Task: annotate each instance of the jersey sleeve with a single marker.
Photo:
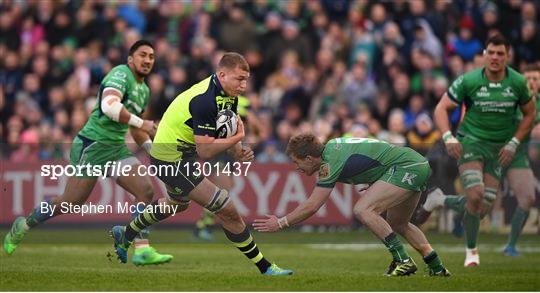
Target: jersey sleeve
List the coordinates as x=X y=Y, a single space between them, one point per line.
x=203 y=116
x=523 y=92
x=330 y=169
x=457 y=90
x=116 y=79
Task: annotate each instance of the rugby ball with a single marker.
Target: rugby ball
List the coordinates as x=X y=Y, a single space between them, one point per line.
x=226 y=123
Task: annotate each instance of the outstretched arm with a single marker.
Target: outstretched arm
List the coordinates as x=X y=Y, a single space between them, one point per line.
x=305 y=210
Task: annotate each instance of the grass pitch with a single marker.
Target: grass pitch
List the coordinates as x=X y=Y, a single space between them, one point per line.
x=75 y=260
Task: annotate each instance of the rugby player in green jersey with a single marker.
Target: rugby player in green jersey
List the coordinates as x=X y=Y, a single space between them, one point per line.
x=519 y=175
x=122 y=97
x=396 y=177
x=187 y=131
x=489 y=135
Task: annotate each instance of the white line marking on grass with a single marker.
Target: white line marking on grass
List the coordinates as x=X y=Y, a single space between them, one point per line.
x=445 y=248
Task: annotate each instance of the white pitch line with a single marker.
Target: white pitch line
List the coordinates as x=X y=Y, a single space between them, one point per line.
x=445 y=248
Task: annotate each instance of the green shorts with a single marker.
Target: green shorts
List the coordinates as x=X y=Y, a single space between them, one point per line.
x=413 y=176
x=85 y=151
x=485 y=152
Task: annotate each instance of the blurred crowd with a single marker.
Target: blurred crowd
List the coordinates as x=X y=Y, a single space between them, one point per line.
x=335 y=67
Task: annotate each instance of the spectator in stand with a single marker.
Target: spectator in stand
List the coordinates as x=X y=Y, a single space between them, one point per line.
x=490 y=21
x=527 y=49
x=271 y=154
x=357 y=87
x=465 y=45
x=423 y=135
x=56 y=52
x=417 y=106
x=396 y=128
x=425 y=40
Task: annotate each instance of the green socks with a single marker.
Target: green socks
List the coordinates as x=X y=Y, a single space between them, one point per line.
x=456 y=203
x=472 y=225
x=395 y=247
x=434 y=262
x=518 y=220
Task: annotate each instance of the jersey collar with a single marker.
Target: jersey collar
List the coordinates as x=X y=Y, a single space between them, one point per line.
x=133 y=74
x=506 y=73
x=218 y=86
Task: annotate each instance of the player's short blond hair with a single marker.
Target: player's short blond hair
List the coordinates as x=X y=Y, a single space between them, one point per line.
x=231 y=60
x=303 y=145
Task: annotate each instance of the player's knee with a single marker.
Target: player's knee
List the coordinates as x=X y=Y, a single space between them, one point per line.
x=473 y=207
x=484 y=211
x=473 y=181
x=475 y=195
x=218 y=201
x=146 y=194
x=526 y=202
x=362 y=211
x=490 y=195
x=357 y=210
x=525 y=197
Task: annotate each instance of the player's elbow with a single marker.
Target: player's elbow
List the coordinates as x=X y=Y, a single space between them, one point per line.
x=311 y=209
x=439 y=109
x=111 y=107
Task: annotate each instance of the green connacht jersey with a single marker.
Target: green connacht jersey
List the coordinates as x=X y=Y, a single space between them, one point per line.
x=362 y=160
x=135 y=97
x=490 y=106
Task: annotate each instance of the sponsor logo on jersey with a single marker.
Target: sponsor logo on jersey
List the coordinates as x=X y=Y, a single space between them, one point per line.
x=495 y=85
x=116 y=85
x=495 y=106
x=324 y=171
x=206 y=126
